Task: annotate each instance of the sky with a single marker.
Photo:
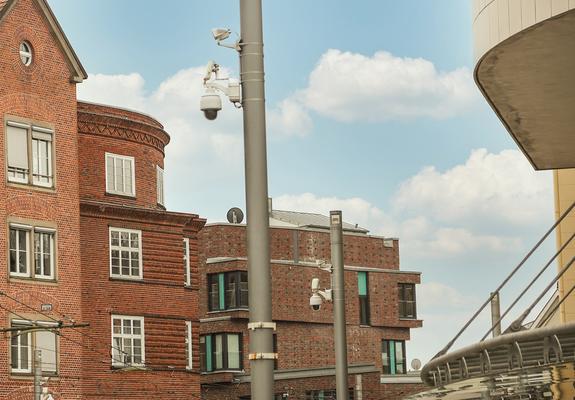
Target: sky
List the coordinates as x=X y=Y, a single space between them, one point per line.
x=371 y=109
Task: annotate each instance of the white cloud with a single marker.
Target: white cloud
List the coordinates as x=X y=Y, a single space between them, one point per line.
x=344 y=86
x=289 y=118
x=433 y=296
x=480 y=207
x=448 y=242
x=440 y=327
x=120 y=90
x=419 y=236
x=355 y=210
x=444 y=310
x=487 y=187
x=350 y=87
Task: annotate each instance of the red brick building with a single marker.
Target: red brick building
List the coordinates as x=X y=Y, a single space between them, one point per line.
x=139 y=262
x=380 y=311
x=87 y=238
x=88 y=241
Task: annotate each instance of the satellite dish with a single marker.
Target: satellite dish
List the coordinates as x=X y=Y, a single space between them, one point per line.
x=416 y=364
x=235 y=216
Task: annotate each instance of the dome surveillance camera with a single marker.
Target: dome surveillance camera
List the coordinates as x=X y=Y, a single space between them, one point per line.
x=315 y=302
x=210 y=104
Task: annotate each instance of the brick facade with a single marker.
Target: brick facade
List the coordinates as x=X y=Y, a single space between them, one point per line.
x=79 y=210
x=105 y=129
x=40 y=94
x=81 y=213
x=305 y=337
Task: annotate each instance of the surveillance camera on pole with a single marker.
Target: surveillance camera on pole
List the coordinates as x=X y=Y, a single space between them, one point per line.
x=211 y=103
x=221 y=34
x=318 y=296
x=251 y=52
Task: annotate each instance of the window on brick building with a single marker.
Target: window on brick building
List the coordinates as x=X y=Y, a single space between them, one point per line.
x=125 y=253
x=127 y=341
x=277 y=396
x=228 y=290
x=32 y=252
x=329 y=394
x=22 y=137
x=189 y=345
x=41 y=157
x=363 y=291
x=275 y=349
x=393 y=357
x=407 y=304
x=120 y=175
x=220 y=351
x=26 y=53
x=24 y=341
x=187 y=272
x=160 y=185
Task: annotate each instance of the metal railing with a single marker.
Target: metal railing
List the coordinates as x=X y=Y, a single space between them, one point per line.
x=517 y=324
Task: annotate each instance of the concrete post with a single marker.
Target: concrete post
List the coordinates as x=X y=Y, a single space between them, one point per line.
x=259 y=279
x=37 y=374
x=495 y=314
x=338 y=293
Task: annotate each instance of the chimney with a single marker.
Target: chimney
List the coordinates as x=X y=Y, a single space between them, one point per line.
x=270 y=209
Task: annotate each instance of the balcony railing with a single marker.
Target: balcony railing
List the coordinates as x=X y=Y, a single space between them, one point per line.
x=516 y=354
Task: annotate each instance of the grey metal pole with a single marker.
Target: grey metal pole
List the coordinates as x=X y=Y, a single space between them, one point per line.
x=37 y=374
x=259 y=279
x=336 y=237
x=495 y=314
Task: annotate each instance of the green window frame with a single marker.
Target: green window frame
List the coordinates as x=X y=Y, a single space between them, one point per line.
x=326 y=394
x=277 y=396
x=275 y=349
x=228 y=291
x=407 y=302
x=363 y=292
x=221 y=352
x=393 y=357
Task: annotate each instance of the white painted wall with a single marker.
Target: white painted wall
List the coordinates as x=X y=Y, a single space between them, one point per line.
x=496 y=20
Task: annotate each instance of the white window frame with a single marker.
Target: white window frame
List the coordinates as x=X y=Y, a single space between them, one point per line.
x=42 y=135
x=15 y=178
x=160 y=185
x=189 y=345
x=26 y=53
x=32 y=344
x=19 y=370
x=120 y=248
x=31 y=251
x=187 y=262
x=122 y=158
x=33 y=133
x=52 y=241
x=122 y=336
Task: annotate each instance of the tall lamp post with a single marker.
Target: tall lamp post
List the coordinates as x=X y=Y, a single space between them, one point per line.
x=336 y=239
x=252 y=100
x=335 y=294
x=259 y=280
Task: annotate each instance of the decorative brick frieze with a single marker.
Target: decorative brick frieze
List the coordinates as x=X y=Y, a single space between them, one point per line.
x=96 y=120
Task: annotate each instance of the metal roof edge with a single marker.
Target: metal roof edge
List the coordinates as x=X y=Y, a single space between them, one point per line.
x=312 y=372
x=311 y=264
x=304 y=228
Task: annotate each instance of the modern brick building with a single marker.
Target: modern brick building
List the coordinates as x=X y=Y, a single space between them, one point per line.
x=87 y=238
x=380 y=309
